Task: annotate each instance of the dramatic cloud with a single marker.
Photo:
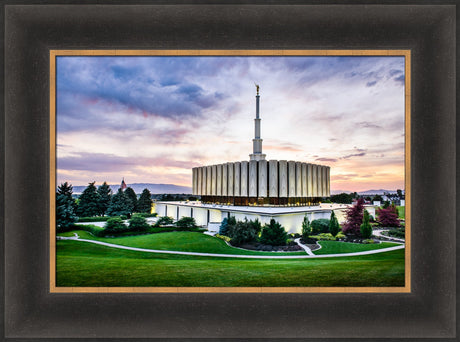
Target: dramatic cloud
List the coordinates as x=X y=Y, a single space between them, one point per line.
x=151 y=119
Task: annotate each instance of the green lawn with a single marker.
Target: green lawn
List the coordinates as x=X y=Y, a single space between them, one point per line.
x=177 y=241
x=401 y=212
x=83 y=264
x=336 y=247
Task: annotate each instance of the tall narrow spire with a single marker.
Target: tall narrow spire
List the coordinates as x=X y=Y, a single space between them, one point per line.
x=257 y=141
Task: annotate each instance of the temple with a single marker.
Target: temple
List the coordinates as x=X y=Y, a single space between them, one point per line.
x=261 y=182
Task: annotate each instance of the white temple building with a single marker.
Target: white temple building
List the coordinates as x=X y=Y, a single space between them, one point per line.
x=280 y=189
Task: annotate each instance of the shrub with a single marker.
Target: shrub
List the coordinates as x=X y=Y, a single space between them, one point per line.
x=186 y=223
x=273 y=234
x=138 y=223
x=226 y=223
x=255 y=226
x=320 y=226
x=223 y=237
x=306 y=227
x=366 y=228
x=241 y=232
x=388 y=217
x=334 y=226
x=115 y=225
x=92 y=229
x=397 y=233
x=164 y=221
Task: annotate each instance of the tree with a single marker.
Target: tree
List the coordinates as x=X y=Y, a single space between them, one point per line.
x=115 y=225
x=89 y=199
x=132 y=199
x=273 y=234
x=144 y=204
x=400 y=194
x=306 y=227
x=138 y=223
x=366 y=228
x=241 y=232
x=105 y=196
x=354 y=219
x=119 y=204
x=388 y=217
x=65 y=214
x=377 y=198
x=334 y=226
x=343 y=198
x=186 y=223
x=226 y=224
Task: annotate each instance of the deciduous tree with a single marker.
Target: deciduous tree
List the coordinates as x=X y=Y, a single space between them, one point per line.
x=388 y=217
x=354 y=219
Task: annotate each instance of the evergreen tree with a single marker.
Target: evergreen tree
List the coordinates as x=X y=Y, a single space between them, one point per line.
x=306 y=227
x=242 y=232
x=132 y=199
x=366 y=228
x=256 y=226
x=105 y=196
x=88 y=204
x=226 y=224
x=144 y=204
x=119 y=204
x=273 y=234
x=354 y=219
x=334 y=226
x=65 y=214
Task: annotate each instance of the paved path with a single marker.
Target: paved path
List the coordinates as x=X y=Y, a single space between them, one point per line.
x=77 y=238
x=306 y=248
x=378 y=233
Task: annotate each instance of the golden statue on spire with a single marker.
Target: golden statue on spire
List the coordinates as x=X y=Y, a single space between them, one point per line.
x=257 y=87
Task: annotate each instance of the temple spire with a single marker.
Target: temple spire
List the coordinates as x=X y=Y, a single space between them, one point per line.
x=257 y=141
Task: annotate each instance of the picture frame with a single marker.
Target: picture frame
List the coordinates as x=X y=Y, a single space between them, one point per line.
x=31 y=311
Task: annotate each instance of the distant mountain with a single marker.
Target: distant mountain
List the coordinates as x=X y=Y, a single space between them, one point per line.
x=365 y=193
x=139 y=187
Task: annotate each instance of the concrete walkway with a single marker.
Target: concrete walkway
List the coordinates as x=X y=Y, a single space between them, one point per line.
x=306 y=248
x=77 y=238
x=378 y=233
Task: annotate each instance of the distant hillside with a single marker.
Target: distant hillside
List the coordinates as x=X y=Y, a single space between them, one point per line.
x=139 y=187
x=365 y=193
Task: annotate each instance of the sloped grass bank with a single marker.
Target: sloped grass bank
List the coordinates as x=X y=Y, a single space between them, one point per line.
x=177 y=241
x=83 y=265
x=339 y=247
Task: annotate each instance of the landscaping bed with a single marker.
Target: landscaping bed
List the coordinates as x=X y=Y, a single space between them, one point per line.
x=257 y=246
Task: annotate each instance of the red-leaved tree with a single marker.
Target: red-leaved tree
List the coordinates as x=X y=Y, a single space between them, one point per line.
x=388 y=217
x=354 y=219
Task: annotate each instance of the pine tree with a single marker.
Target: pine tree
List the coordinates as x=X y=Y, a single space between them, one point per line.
x=132 y=199
x=306 y=228
x=89 y=199
x=334 y=226
x=366 y=228
x=119 y=204
x=354 y=219
x=65 y=214
x=144 y=204
x=273 y=234
x=105 y=196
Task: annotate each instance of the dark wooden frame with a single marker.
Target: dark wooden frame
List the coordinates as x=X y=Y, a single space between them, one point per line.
x=32 y=313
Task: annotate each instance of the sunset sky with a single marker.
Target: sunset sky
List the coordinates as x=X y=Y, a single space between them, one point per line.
x=151 y=119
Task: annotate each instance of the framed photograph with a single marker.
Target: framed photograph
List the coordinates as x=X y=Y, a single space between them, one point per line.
x=181 y=95
x=174 y=111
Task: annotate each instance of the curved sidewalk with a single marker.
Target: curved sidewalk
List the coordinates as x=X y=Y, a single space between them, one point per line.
x=76 y=238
